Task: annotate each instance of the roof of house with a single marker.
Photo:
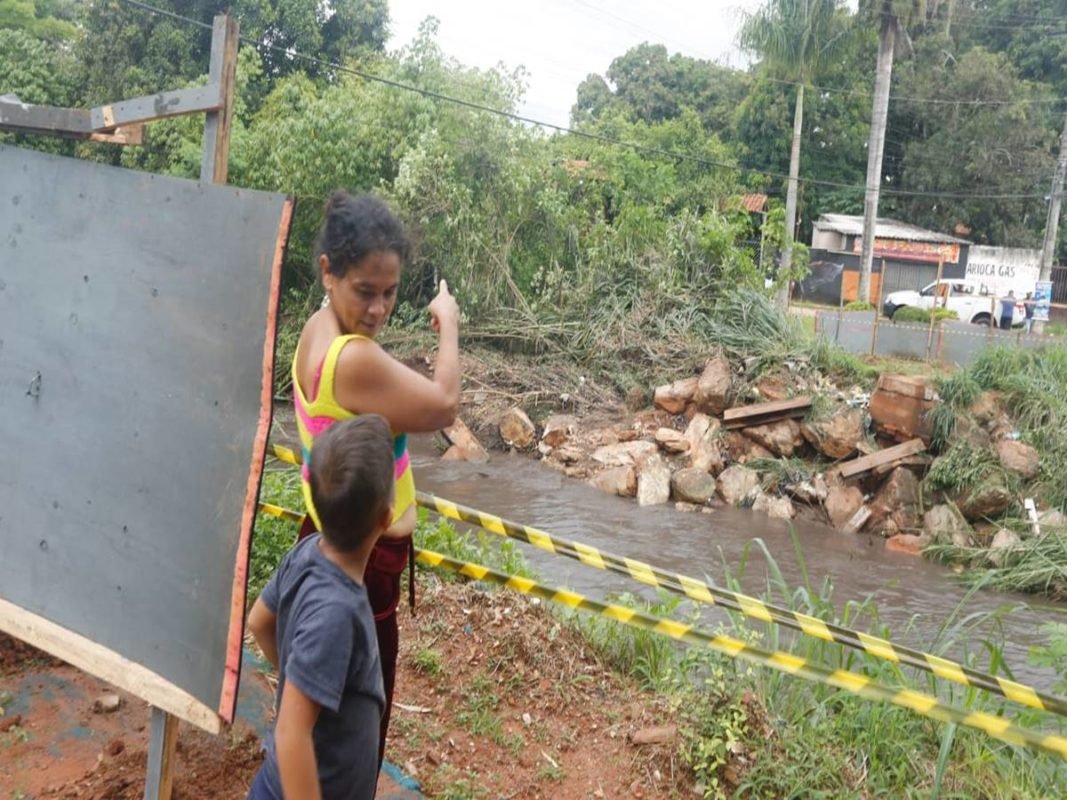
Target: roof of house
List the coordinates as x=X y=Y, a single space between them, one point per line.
x=884 y=229
x=754 y=203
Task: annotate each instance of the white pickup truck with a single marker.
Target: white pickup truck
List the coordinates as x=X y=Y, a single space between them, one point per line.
x=970 y=299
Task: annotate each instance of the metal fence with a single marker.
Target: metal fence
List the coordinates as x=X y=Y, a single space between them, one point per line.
x=949 y=341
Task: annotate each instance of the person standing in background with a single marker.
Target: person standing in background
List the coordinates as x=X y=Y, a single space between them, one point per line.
x=1007 y=310
x=1030 y=304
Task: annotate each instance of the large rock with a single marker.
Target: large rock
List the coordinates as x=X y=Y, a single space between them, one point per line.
x=906 y=543
x=1003 y=543
x=988 y=499
x=842 y=502
x=558 y=429
x=741 y=449
x=1052 y=519
x=713 y=387
x=781 y=438
x=464 y=446
x=895 y=508
x=835 y=436
x=774 y=506
x=621 y=481
x=516 y=428
x=674 y=397
x=988 y=408
x=671 y=440
x=702 y=435
x=738 y=484
x=624 y=454
x=1019 y=458
x=944 y=524
x=653 y=481
x=692 y=485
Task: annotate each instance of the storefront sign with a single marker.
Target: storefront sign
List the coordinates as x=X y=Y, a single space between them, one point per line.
x=900 y=250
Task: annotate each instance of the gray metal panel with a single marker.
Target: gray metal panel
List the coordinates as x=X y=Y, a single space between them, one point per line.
x=133 y=314
x=900 y=276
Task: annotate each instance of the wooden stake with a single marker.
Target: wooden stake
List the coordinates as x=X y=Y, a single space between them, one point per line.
x=933 y=308
x=878 y=311
x=159 y=781
x=214 y=164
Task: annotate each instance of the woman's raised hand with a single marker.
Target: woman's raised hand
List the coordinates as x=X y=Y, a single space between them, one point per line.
x=443 y=309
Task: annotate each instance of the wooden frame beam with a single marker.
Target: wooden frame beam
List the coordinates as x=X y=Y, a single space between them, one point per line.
x=95 y=659
x=19 y=117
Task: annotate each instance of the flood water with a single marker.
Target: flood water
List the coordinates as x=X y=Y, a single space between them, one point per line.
x=914 y=596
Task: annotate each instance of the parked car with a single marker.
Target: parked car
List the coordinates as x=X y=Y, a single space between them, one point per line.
x=970 y=299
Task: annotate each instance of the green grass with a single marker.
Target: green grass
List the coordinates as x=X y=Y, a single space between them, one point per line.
x=273 y=537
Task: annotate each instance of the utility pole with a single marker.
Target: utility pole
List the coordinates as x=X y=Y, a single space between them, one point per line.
x=1052 y=225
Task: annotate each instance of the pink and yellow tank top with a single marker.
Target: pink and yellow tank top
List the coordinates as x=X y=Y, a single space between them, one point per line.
x=320 y=412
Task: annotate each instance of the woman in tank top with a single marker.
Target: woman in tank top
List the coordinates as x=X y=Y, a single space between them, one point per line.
x=339 y=371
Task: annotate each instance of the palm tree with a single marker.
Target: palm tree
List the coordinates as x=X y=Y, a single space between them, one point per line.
x=794 y=39
x=894 y=16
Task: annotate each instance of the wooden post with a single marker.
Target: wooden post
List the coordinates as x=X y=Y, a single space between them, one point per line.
x=159 y=780
x=214 y=164
x=933 y=308
x=878 y=310
x=214 y=167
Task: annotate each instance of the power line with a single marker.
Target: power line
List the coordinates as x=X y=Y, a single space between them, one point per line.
x=368 y=76
x=967 y=102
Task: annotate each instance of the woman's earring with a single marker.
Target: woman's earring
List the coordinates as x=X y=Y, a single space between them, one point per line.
x=325 y=301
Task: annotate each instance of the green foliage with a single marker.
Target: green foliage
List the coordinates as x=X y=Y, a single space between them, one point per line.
x=47 y=20
x=428 y=660
x=653 y=86
x=272 y=537
x=922 y=315
x=646 y=656
x=965 y=468
x=715 y=721
x=859 y=305
x=489 y=550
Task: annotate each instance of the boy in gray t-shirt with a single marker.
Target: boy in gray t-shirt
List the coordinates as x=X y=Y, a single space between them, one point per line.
x=314 y=623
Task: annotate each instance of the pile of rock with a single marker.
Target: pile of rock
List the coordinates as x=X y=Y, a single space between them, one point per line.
x=691 y=448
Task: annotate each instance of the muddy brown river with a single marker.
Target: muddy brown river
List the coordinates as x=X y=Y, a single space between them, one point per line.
x=914 y=596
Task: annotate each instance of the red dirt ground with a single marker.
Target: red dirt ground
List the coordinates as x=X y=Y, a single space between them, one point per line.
x=495 y=700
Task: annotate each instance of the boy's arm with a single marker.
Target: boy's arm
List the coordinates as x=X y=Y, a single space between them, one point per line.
x=294 y=747
x=263 y=624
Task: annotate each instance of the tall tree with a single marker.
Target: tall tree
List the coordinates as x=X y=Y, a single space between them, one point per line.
x=794 y=40
x=975 y=128
x=650 y=85
x=893 y=17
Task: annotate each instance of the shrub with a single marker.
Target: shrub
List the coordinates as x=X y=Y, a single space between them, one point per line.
x=859 y=305
x=915 y=314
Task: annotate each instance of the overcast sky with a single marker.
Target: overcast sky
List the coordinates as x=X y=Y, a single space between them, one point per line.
x=560 y=42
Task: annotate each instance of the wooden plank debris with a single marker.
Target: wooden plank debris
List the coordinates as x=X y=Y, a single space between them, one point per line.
x=891 y=455
x=762 y=413
x=910 y=461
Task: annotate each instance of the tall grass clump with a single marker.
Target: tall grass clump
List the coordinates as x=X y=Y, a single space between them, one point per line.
x=833 y=744
x=1034 y=386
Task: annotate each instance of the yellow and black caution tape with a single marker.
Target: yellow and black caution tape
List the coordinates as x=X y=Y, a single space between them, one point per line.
x=850 y=682
x=706 y=592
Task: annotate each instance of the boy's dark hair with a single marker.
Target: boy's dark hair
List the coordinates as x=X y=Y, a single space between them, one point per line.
x=356 y=226
x=351 y=477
